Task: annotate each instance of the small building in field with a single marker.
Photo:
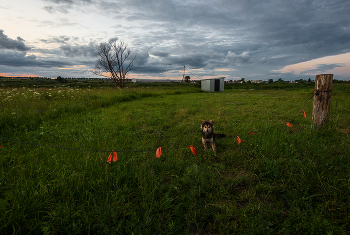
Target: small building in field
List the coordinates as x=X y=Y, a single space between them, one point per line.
x=213 y=84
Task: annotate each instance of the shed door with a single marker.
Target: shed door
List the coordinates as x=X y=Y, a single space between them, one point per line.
x=217 y=85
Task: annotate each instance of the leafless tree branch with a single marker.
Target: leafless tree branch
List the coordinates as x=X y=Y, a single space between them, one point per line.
x=114 y=58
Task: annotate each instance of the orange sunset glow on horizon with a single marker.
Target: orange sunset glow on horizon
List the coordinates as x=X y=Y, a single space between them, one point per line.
x=17 y=75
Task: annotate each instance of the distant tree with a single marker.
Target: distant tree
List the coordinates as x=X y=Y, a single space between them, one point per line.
x=243 y=80
x=61 y=79
x=280 y=80
x=309 y=80
x=115 y=60
x=270 y=80
x=187 y=79
x=300 y=80
x=249 y=81
x=338 y=81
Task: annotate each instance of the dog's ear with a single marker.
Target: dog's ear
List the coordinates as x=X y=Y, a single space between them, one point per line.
x=202 y=122
x=211 y=121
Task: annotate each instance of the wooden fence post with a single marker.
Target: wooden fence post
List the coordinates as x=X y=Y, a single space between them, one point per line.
x=322 y=100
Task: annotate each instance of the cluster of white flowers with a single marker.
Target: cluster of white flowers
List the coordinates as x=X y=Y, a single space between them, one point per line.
x=11 y=96
x=8 y=94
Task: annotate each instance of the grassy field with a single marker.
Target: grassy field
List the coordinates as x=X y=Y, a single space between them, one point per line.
x=279 y=180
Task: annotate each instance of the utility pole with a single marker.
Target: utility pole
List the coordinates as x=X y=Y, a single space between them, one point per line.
x=183 y=76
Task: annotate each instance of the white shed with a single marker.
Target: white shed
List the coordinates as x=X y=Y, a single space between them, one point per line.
x=213 y=84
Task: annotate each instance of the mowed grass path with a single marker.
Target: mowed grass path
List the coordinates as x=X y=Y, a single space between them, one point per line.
x=280 y=180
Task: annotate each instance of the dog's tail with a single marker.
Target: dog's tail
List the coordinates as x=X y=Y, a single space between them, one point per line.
x=218 y=136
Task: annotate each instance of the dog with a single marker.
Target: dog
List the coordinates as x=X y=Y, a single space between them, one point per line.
x=208 y=135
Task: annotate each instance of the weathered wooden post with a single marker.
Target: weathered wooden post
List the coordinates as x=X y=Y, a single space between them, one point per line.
x=322 y=100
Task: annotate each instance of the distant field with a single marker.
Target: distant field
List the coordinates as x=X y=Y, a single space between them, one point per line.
x=279 y=180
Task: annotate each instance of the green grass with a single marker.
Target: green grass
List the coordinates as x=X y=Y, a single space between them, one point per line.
x=280 y=180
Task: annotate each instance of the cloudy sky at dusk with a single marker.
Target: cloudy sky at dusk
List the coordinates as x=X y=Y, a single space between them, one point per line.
x=254 y=39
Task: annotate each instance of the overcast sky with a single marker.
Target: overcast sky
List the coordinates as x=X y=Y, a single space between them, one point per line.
x=251 y=39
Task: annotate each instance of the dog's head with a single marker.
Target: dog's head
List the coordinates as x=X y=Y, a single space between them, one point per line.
x=207 y=127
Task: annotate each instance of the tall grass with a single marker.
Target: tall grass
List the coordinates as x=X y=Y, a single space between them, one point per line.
x=280 y=180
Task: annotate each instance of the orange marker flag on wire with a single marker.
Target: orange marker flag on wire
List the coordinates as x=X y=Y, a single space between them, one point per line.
x=159 y=152
x=288 y=124
x=239 y=140
x=193 y=150
x=115 y=158
x=252 y=133
x=304 y=114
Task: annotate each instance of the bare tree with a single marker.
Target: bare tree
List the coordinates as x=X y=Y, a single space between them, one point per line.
x=114 y=59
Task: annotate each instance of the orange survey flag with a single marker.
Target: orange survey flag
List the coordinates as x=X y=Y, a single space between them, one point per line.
x=239 y=140
x=304 y=114
x=115 y=158
x=193 y=150
x=159 y=152
x=288 y=124
x=252 y=133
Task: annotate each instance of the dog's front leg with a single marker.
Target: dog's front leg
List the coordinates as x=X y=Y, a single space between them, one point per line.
x=205 y=147
x=204 y=144
x=213 y=147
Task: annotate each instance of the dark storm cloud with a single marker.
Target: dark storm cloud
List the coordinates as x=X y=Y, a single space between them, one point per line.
x=60 y=39
x=329 y=66
x=237 y=59
x=49 y=9
x=13 y=58
x=113 y=39
x=196 y=60
x=69 y=2
x=11 y=44
x=322 y=67
x=150 y=69
x=107 y=6
x=141 y=57
x=52 y=9
x=19 y=59
x=89 y=50
x=61 y=1
x=310 y=29
x=160 y=54
x=64 y=6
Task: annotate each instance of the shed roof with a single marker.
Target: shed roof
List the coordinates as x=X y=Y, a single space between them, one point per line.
x=213 y=78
